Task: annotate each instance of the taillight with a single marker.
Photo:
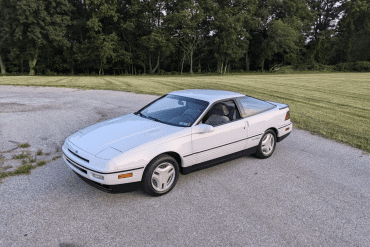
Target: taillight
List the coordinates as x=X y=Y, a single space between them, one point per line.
x=287 y=116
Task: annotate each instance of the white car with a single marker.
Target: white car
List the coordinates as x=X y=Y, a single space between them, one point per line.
x=183 y=131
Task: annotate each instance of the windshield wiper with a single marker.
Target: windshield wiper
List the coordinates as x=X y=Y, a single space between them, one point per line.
x=140 y=114
x=155 y=119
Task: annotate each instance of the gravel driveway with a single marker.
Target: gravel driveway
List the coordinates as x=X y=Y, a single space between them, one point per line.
x=311 y=192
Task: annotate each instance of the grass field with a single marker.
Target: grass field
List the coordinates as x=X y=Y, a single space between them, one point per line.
x=333 y=105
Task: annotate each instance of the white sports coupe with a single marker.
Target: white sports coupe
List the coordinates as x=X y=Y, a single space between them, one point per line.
x=183 y=131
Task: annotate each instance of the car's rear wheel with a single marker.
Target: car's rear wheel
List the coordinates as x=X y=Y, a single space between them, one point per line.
x=160 y=176
x=267 y=145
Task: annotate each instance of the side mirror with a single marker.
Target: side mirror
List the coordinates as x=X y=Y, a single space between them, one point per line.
x=202 y=128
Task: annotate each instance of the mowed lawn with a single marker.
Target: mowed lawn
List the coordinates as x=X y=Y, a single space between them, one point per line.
x=333 y=105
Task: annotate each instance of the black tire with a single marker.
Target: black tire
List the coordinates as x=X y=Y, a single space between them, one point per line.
x=262 y=155
x=146 y=182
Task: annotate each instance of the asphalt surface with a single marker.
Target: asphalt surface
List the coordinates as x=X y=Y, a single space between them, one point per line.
x=310 y=192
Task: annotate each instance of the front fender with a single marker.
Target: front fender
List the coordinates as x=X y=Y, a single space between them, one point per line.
x=142 y=158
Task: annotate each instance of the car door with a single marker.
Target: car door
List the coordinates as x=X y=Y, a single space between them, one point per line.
x=227 y=138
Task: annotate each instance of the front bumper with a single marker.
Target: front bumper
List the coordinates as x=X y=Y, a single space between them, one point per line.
x=85 y=167
x=119 y=188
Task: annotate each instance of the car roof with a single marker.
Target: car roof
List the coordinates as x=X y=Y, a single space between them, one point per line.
x=209 y=95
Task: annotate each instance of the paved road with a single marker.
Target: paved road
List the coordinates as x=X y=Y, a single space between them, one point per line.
x=311 y=192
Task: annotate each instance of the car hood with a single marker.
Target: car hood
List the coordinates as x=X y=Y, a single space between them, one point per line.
x=122 y=134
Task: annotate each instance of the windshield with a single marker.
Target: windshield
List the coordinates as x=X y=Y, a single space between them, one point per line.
x=175 y=110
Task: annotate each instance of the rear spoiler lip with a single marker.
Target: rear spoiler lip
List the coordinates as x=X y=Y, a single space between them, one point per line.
x=281 y=105
x=287 y=106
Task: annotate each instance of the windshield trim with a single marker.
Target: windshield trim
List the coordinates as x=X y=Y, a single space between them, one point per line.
x=137 y=112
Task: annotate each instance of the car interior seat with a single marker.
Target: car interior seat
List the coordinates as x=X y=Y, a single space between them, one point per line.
x=219 y=115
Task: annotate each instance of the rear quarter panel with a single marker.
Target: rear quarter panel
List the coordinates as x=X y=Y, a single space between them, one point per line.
x=258 y=124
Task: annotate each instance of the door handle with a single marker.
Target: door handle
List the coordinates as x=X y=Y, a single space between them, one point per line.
x=246 y=124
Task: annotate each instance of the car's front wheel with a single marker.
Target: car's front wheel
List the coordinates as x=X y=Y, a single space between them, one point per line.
x=267 y=145
x=160 y=176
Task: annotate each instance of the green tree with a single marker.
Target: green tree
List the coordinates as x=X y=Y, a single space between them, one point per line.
x=102 y=40
x=353 y=39
x=230 y=35
x=279 y=37
x=186 y=25
x=324 y=15
x=3 y=35
x=2 y=66
x=34 y=24
x=155 y=39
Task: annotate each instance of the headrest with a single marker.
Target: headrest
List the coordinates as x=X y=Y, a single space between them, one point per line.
x=220 y=109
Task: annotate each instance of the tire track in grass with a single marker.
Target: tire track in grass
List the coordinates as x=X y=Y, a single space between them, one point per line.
x=147 y=82
x=186 y=83
x=240 y=89
x=60 y=82
x=122 y=85
x=218 y=85
x=347 y=113
x=221 y=83
x=169 y=86
x=49 y=81
x=314 y=85
x=335 y=117
x=143 y=86
x=91 y=82
x=329 y=104
x=333 y=92
x=276 y=87
x=6 y=80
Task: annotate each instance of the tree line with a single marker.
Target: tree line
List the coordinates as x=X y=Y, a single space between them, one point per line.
x=178 y=36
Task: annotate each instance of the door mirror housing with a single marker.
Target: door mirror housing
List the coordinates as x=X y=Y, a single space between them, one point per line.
x=202 y=128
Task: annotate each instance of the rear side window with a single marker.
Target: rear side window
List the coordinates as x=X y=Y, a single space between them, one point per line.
x=252 y=106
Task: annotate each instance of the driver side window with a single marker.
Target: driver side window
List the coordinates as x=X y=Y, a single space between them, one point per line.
x=221 y=113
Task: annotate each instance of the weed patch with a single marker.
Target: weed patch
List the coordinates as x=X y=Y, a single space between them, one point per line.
x=39 y=152
x=32 y=160
x=5 y=174
x=25 y=169
x=56 y=157
x=21 y=156
x=41 y=163
x=23 y=145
